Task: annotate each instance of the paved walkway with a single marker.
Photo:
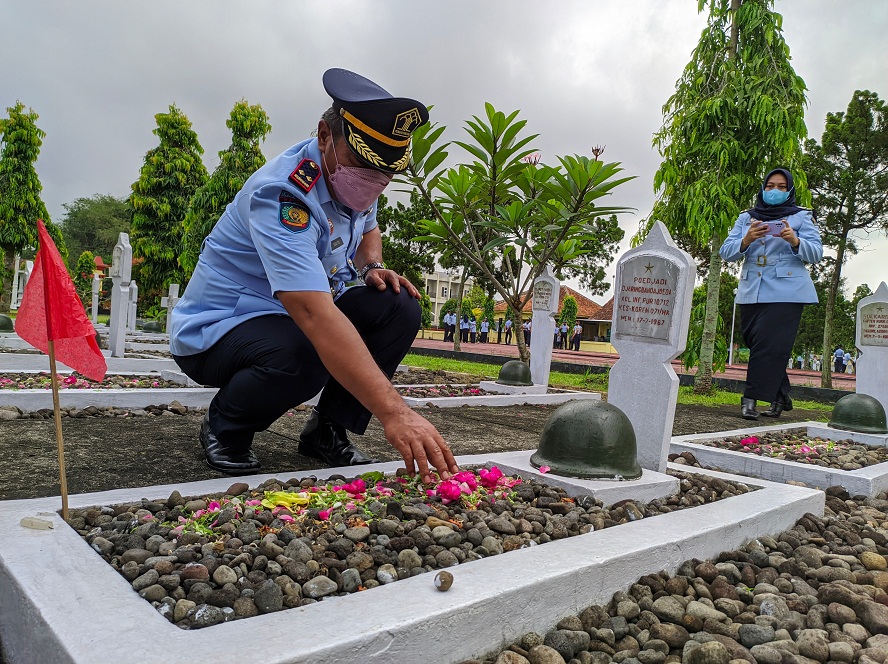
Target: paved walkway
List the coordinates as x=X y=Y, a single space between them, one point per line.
x=735 y=371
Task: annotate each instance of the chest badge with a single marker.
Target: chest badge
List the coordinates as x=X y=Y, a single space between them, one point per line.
x=294 y=216
x=336 y=243
x=305 y=175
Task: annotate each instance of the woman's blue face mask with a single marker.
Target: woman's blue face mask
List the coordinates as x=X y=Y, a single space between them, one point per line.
x=774 y=196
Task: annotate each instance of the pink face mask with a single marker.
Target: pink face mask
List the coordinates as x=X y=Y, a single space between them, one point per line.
x=356 y=188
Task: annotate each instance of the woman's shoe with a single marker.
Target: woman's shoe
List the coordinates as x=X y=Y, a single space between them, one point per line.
x=747 y=409
x=775 y=409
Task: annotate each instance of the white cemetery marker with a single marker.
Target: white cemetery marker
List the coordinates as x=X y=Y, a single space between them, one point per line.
x=170 y=303
x=121 y=273
x=542 y=328
x=654 y=288
x=96 y=283
x=872 y=340
x=131 y=307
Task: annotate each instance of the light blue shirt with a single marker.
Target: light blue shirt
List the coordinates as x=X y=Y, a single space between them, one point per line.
x=772 y=270
x=273 y=237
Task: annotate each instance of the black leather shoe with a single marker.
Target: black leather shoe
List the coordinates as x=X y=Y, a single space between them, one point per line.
x=324 y=440
x=782 y=403
x=747 y=409
x=225 y=460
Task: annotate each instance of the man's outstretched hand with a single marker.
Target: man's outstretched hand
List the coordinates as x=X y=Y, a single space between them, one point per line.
x=420 y=444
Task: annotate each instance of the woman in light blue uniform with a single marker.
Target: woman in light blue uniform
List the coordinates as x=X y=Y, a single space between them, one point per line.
x=775 y=240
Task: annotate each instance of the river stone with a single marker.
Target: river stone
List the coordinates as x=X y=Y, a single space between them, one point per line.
x=502 y=526
x=183 y=606
x=493 y=545
x=149 y=578
x=103 y=546
x=668 y=608
x=224 y=574
x=558 y=640
x=386 y=574
x=358 y=534
x=700 y=610
x=350 y=580
x=840 y=614
x=544 y=655
x=674 y=635
x=245 y=607
x=137 y=555
x=387 y=527
x=753 y=635
x=840 y=651
x=269 y=597
x=154 y=593
x=298 y=551
x=857 y=632
x=873 y=615
x=409 y=559
x=360 y=560
x=873 y=561
x=319 y=586
x=446 y=537
x=712 y=652
x=206 y=615
x=247 y=532
x=766 y=654
x=813 y=643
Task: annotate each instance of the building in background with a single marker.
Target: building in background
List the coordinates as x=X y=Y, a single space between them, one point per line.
x=440 y=287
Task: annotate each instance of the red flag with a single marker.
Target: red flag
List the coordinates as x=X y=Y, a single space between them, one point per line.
x=51 y=311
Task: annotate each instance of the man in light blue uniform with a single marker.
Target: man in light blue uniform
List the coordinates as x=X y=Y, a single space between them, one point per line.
x=290 y=295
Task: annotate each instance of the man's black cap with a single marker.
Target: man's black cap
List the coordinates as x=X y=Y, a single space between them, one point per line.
x=376 y=125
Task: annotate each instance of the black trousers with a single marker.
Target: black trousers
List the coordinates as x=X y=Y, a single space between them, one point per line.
x=769 y=331
x=509 y=335
x=267 y=365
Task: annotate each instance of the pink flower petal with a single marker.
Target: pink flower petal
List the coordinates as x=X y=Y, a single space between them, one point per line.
x=545 y=469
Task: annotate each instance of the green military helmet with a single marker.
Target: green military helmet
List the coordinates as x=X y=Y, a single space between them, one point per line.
x=589 y=440
x=514 y=372
x=859 y=412
x=152 y=326
x=6 y=324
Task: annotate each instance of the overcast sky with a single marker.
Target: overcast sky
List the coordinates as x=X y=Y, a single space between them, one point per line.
x=583 y=73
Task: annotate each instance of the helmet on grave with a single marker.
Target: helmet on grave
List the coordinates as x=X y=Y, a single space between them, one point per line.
x=859 y=412
x=589 y=440
x=514 y=372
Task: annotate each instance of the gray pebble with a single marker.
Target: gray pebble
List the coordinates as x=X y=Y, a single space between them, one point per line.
x=319 y=586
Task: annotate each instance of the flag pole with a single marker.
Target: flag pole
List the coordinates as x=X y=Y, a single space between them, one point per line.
x=58 y=427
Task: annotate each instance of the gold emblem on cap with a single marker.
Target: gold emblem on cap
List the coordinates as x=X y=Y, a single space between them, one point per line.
x=406 y=122
x=363 y=149
x=401 y=164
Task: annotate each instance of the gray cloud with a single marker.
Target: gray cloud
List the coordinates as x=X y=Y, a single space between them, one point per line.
x=582 y=73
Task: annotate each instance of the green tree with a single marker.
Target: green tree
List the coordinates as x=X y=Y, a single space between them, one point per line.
x=569 y=311
x=170 y=176
x=727 y=286
x=505 y=213
x=449 y=305
x=249 y=126
x=589 y=268
x=810 y=335
x=20 y=202
x=425 y=307
x=83 y=274
x=737 y=112
x=399 y=224
x=487 y=310
x=848 y=175
x=93 y=224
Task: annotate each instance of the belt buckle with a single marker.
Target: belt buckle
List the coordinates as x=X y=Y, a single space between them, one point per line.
x=761 y=261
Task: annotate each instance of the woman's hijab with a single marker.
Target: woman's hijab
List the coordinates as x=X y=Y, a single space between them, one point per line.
x=764 y=212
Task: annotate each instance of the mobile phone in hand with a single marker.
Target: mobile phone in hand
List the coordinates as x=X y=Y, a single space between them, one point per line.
x=776 y=227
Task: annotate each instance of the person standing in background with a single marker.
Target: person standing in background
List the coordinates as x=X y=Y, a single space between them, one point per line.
x=774 y=240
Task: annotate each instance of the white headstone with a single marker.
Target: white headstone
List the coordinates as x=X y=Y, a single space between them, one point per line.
x=654 y=289
x=96 y=284
x=872 y=341
x=121 y=273
x=131 y=307
x=542 y=327
x=170 y=303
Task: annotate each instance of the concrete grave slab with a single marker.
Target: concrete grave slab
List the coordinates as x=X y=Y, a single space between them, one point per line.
x=52 y=585
x=651 y=314
x=869 y=481
x=872 y=340
x=493 y=386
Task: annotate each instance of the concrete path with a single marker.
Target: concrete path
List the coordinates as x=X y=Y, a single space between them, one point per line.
x=734 y=371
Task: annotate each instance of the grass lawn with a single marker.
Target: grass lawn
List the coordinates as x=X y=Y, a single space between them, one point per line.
x=595 y=382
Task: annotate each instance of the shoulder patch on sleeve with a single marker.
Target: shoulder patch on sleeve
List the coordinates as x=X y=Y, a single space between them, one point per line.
x=295 y=216
x=305 y=175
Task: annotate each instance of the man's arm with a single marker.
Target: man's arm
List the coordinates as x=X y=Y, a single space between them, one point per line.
x=370 y=251
x=345 y=356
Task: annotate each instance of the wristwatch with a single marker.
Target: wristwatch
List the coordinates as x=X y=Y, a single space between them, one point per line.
x=371 y=266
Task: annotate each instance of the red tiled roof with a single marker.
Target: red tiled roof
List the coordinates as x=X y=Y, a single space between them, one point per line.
x=606 y=311
x=586 y=309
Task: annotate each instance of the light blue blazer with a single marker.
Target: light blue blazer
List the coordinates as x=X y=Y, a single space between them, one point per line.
x=772 y=270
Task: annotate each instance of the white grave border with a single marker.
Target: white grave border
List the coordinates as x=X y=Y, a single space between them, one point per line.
x=51 y=584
